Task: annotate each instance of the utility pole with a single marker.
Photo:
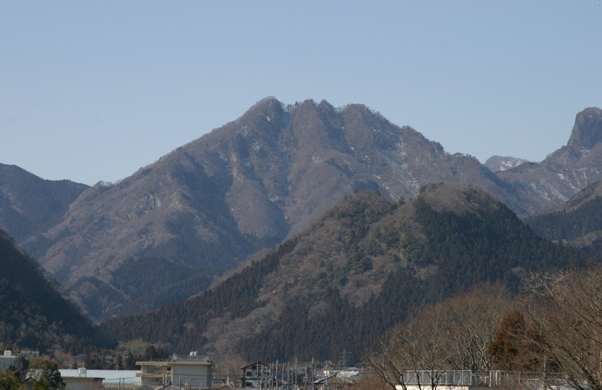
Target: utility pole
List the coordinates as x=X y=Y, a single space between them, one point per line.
x=313 y=379
x=344 y=358
x=545 y=379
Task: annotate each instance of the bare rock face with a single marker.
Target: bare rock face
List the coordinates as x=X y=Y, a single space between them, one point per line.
x=587 y=131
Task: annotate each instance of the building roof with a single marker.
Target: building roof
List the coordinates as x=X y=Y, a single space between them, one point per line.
x=72 y=379
x=254 y=364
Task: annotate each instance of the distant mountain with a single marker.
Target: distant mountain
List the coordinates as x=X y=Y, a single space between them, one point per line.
x=352 y=274
x=30 y=205
x=499 y=163
x=245 y=186
x=566 y=171
x=33 y=314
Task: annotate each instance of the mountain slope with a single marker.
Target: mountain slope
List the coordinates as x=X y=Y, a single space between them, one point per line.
x=352 y=274
x=33 y=313
x=578 y=221
x=30 y=205
x=245 y=186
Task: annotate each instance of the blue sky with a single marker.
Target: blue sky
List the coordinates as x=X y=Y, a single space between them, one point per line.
x=92 y=91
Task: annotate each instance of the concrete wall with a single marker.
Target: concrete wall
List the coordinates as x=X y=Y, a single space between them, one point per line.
x=196 y=374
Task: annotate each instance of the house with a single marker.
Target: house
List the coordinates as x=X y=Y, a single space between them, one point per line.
x=254 y=375
x=187 y=371
x=29 y=354
x=9 y=359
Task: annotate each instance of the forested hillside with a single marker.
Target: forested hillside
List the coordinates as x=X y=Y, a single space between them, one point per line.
x=578 y=222
x=148 y=282
x=33 y=314
x=354 y=273
x=569 y=224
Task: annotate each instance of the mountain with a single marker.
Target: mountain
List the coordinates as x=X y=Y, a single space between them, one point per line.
x=578 y=222
x=499 y=163
x=30 y=205
x=565 y=172
x=247 y=185
x=352 y=274
x=33 y=314
x=206 y=206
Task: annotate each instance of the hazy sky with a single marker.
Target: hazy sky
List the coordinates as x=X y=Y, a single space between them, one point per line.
x=94 y=90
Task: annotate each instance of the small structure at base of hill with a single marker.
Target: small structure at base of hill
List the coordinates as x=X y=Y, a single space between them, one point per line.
x=8 y=358
x=255 y=375
x=83 y=382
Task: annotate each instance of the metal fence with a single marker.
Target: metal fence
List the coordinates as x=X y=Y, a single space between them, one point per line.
x=492 y=379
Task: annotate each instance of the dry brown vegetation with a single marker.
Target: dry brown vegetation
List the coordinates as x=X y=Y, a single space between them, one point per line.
x=553 y=334
x=567 y=308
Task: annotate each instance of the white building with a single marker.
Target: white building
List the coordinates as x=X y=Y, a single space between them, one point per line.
x=8 y=359
x=187 y=371
x=117 y=379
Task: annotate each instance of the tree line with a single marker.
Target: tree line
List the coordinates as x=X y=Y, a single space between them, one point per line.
x=552 y=330
x=40 y=374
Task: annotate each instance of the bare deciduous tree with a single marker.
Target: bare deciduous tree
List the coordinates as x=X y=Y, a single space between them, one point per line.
x=452 y=335
x=567 y=307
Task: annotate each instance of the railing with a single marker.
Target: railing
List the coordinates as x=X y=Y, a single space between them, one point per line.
x=528 y=380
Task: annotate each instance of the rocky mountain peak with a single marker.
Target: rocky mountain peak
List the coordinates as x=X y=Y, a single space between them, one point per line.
x=587 y=131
